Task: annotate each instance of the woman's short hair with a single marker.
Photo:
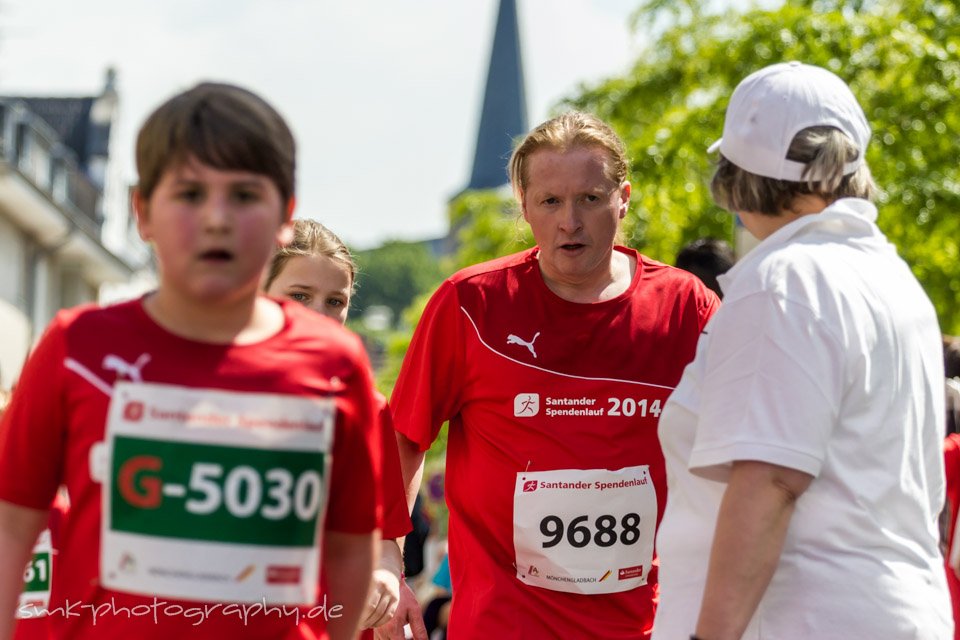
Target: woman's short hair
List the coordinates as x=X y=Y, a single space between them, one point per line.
x=310 y=238
x=223 y=126
x=824 y=150
x=566 y=131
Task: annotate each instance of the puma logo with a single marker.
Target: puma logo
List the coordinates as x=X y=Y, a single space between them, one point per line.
x=124 y=369
x=512 y=339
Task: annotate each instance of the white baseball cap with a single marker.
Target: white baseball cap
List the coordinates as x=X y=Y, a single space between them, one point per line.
x=769 y=107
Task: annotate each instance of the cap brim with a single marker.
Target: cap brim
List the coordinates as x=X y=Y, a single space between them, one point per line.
x=715 y=146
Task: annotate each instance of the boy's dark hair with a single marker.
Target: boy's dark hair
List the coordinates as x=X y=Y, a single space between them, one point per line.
x=223 y=126
x=706 y=258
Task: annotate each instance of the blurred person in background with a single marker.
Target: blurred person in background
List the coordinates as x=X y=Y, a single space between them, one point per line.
x=707 y=258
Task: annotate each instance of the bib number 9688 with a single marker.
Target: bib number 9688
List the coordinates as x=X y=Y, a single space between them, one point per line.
x=605 y=531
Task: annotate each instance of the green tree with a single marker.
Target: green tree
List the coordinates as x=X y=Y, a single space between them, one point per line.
x=488 y=225
x=902 y=60
x=393 y=275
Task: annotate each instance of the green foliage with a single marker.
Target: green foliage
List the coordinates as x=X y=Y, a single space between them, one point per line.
x=393 y=275
x=488 y=226
x=398 y=342
x=902 y=60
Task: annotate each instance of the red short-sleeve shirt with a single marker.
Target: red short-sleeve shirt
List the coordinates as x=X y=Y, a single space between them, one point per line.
x=58 y=413
x=494 y=348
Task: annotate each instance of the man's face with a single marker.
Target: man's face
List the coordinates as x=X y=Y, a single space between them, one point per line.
x=574 y=209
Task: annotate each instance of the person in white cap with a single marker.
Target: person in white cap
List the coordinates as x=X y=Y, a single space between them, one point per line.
x=802 y=444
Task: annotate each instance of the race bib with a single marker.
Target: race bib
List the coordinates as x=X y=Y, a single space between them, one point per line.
x=584 y=531
x=37 y=577
x=215 y=495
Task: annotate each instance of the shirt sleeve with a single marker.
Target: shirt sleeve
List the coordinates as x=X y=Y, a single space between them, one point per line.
x=428 y=389
x=355 y=497
x=708 y=303
x=396 y=518
x=772 y=383
x=33 y=428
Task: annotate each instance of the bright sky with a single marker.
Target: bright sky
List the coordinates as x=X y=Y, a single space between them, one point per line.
x=383 y=96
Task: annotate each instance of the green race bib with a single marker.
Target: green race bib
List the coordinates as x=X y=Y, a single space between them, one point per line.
x=216 y=493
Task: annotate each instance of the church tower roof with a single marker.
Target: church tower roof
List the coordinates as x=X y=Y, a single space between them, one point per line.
x=504 y=114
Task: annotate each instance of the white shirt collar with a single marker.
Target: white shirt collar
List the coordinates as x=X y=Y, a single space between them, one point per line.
x=844 y=214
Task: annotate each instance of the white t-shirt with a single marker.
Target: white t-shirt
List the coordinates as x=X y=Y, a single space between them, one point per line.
x=824 y=357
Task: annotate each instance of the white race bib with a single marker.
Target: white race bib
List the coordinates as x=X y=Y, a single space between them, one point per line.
x=584 y=531
x=37 y=578
x=215 y=495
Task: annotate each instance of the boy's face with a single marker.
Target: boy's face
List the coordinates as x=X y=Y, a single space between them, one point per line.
x=212 y=230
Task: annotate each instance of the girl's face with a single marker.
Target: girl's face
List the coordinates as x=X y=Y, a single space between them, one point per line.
x=317 y=282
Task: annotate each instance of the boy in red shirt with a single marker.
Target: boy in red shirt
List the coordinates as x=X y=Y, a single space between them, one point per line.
x=218 y=447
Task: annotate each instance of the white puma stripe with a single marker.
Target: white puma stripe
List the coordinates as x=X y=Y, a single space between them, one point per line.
x=556 y=373
x=88 y=375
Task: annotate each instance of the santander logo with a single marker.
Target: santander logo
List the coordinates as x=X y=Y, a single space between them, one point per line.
x=133 y=411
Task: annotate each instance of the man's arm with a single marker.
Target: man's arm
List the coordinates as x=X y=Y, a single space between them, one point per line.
x=408 y=613
x=404 y=611
x=385 y=594
x=411 y=466
x=19 y=528
x=348 y=559
x=751 y=527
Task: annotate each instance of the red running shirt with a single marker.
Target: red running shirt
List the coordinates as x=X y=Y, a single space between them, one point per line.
x=515 y=369
x=396 y=519
x=396 y=516
x=58 y=413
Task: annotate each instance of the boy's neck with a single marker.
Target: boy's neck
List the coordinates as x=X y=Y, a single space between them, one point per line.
x=244 y=321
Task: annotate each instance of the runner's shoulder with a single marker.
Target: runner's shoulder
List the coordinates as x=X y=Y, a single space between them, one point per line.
x=91 y=317
x=654 y=270
x=493 y=269
x=310 y=331
x=668 y=279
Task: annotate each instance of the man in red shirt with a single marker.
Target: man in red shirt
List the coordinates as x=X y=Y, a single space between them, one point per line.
x=552 y=366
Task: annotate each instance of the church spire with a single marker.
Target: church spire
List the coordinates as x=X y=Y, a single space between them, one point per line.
x=504 y=115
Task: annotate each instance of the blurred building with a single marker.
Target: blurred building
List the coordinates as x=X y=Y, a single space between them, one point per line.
x=65 y=229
